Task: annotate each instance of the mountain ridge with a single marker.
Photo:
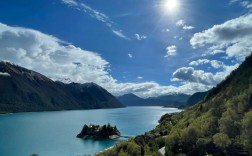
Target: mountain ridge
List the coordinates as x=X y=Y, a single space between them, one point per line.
x=27 y=90
x=175 y=100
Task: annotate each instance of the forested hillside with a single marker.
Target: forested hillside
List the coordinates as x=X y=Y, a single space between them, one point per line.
x=219 y=125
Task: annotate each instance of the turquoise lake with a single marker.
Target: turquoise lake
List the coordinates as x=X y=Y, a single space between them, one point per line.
x=54 y=133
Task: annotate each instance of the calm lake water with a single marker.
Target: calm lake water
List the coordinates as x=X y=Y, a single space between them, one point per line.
x=53 y=133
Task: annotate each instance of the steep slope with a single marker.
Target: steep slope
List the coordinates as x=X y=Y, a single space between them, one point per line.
x=219 y=125
x=92 y=96
x=131 y=100
x=175 y=100
x=195 y=98
x=25 y=90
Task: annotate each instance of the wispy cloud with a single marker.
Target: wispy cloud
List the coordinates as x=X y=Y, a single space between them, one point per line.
x=140 y=37
x=130 y=55
x=98 y=15
x=70 y=2
x=139 y=77
x=214 y=63
x=244 y=3
x=171 y=51
x=119 y=33
x=182 y=23
x=166 y=30
x=233 y=1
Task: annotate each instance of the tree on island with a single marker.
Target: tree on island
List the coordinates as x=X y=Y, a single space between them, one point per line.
x=97 y=131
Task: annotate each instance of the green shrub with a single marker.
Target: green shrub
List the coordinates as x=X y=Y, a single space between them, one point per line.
x=247 y=131
x=221 y=140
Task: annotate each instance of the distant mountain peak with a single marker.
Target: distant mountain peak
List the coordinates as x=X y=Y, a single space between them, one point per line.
x=91 y=84
x=130 y=94
x=12 y=68
x=176 y=100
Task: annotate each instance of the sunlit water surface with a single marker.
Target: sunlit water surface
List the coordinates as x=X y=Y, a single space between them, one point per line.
x=53 y=133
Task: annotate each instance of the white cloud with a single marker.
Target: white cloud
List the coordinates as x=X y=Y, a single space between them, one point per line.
x=217 y=64
x=182 y=23
x=199 y=62
x=50 y=56
x=171 y=51
x=176 y=37
x=140 y=37
x=233 y=36
x=70 y=2
x=233 y=1
x=244 y=3
x=4 y=74
x=166 y=30
x=152 y=89
x=214 y=63
x=120 y=34
x=188 y=27
x=189 y=74
x=130 y=55
x=247 y=4
x=99 y=16
x=217 y=51
x=139 y=77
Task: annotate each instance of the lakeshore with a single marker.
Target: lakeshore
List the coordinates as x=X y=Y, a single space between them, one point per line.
x=53 y=133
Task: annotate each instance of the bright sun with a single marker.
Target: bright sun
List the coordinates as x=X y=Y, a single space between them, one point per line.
x=171 y=5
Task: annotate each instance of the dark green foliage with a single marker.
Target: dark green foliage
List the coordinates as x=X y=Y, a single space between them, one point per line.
x=129 y=148
x=25 y=90
x=221 y=124
x=247 y=131
x=99 y=132
x=221 y=140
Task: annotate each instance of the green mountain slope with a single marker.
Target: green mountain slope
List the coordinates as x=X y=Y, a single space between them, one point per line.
x=23 y=90
x=219 y=125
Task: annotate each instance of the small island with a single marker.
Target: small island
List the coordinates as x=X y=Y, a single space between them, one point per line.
x=99 y=132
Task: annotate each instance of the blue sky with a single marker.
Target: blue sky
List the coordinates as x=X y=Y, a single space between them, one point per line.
x=138 y=46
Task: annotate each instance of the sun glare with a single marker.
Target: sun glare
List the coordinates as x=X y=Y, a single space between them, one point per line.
x=171 y=5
